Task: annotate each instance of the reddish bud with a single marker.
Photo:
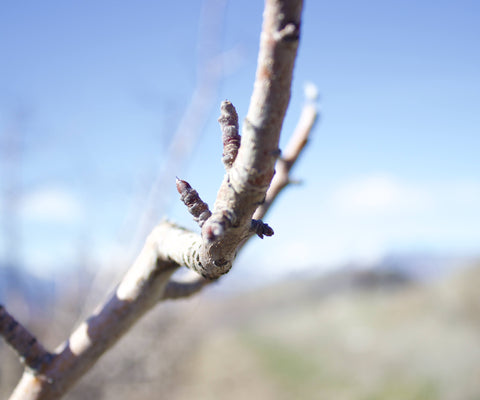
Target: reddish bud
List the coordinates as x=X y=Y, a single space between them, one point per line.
x=231 y=139
x=196 y=207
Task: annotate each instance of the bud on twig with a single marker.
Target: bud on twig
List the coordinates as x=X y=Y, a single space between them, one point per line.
x=260 y=228
x=231 y=139
x=196 y=207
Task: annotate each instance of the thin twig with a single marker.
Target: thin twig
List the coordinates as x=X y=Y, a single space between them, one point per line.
x=196 y=206
x=179 y=289
x=260 y=228
x=281 y=180
x=294 y=148
x=31 y=353
x=246 y=182
x=139 y=291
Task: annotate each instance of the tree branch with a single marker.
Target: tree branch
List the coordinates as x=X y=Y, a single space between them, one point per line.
x=281 y=180
x=177 y=290
x=294 y=148
x=246 y=182
x=223 y=233
x=30 y=351
x=141 y=288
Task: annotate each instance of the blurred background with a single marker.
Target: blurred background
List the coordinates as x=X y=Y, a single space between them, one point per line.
x=367 y=290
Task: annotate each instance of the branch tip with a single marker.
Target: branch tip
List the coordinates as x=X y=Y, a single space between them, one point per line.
x=290 y=33
x=296 y=182
x=181 y=185
x=28 y=348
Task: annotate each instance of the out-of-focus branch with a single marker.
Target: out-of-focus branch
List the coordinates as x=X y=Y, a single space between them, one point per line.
x=294 y=148
x=30 y=351
x=209 y=75
x=141 y=288
x=178 y=289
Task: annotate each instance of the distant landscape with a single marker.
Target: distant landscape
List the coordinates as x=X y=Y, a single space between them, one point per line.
x=363 y=334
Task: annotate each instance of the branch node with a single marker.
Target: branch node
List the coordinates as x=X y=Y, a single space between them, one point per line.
x=260 y=228
x=231 y=139
x=290 y=33
x=213 y=231
x=196 y=206
x=277 y=153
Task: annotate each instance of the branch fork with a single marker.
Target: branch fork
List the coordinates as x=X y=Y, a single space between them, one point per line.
x=223 y=226
x=241 y=203
x=250 y=160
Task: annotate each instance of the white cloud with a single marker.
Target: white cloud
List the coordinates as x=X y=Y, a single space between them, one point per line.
x=379 y=194
x=461 y=193
x=52 y=204
x=364 y=219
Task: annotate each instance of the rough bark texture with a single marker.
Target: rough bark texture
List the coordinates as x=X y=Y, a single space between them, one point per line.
x=246 y=182
x=168 y=247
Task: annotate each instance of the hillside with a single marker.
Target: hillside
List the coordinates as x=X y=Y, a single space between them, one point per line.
x=349 y=335
x=414 y=342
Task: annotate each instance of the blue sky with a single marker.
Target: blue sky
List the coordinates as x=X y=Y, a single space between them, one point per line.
x=392 y=166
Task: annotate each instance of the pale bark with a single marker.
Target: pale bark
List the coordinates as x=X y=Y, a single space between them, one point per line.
x=169 y=247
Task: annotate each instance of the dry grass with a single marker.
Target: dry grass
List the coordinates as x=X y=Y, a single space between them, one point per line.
x=289 y=342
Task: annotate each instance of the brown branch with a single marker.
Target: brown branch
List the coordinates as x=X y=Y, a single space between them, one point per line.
x=169 y=246
x=141 y=288
x=177 y=289
x=30 y=351
x=246 y=182
x=281 y=180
